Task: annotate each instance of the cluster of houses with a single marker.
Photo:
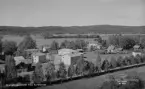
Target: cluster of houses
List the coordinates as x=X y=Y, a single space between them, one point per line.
x=26 y=66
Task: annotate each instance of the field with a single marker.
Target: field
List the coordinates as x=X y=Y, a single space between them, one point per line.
x=40 y=41
x=93 y=83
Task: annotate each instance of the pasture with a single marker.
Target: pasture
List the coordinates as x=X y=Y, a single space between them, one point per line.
x=95 y=82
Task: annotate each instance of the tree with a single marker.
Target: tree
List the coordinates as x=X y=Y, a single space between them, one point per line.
x=10 y=67
x=54 y=45
x=98 y=61
x=72 y=45
x=120 y=61
x=71 y=70
x=50 y=69
x=9 y=47
x=113 y=62
x=27 y=43
x=132 y=59
x=143 y=42
x=127 y=42
x=114 y=40
x=91 y=68
x=62 y=70
x=80 y=44
x=98 y=39
x=127 y=61
x=38 y=74
x=106 y=65
x=80 y=67
x=1 y=44
x=138 y=59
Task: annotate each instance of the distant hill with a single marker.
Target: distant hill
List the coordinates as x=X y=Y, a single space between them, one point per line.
x=107 y=29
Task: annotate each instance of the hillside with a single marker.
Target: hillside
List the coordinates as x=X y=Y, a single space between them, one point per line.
x=72 y=29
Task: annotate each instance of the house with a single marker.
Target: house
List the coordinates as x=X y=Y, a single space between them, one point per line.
x=22 y=64
x=95 y=45
x=31 y=51
x=136 y=47
x=71 y=59
x=111 y=49
x=19 y=59
x=136 y=53
x=46 y=48
x=38 y=57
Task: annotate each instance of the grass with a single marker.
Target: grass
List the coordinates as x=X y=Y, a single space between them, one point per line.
x=93 y=83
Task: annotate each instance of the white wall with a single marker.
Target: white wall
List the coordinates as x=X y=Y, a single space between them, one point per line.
x=66 y=59
x=35 y=59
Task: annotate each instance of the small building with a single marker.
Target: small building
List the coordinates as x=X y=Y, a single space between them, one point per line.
x=46 y=48
x=95 y=45
x=136 y=53
x=19 y=59
x=22 y=65
x=111 y=49
x=136 y=47
x=38 y=57
x=31 y=51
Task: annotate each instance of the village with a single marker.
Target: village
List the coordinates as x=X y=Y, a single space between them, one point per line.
x=44 y=64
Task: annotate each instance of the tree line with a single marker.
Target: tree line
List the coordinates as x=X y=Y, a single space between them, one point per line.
x=83 y=67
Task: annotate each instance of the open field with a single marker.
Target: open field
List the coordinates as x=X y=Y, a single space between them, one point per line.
x=93 y=83
x=40 y=41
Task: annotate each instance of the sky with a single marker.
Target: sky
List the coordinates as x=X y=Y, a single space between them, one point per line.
x=71 y=12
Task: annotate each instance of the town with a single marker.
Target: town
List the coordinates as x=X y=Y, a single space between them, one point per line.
x=27 y=63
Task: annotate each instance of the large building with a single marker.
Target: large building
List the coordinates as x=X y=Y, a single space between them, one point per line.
x=38 y=57
x=71 y=59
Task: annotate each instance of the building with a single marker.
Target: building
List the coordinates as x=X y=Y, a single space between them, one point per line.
x=29 y=52
x=136 y=53
x=38 y=57
x=46 y=48
x=111 y=49
x=95 y=45
x=71 y=59
x=19 y=59
x=136 y=47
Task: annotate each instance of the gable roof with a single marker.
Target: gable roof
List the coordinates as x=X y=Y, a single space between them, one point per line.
x=136 y=46
x=19 y=59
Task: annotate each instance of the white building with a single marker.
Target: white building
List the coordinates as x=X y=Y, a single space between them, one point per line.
x=136 y=53
x=96 y=45
x=19 y=59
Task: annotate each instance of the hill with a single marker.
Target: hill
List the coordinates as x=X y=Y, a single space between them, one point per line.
x=106 y=29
